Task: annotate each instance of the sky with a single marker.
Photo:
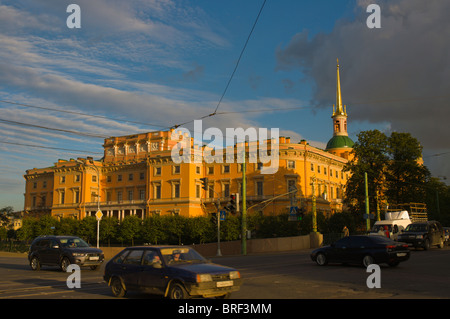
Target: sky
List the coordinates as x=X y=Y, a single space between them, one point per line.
x=144 y=65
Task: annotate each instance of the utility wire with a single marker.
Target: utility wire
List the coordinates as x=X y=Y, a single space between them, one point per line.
x=49 y=147
x=53 y=129
x=79 y=113
x=234 y=70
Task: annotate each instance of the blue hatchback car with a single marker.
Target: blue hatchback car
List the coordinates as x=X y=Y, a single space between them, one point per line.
x=176 y=272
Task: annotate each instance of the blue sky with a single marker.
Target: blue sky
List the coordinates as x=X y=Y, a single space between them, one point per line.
x=165 y=62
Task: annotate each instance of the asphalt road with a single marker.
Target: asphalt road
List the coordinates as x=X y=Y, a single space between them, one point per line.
x=289 y=275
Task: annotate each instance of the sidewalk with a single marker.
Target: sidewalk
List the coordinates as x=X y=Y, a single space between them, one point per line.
x=9 y=254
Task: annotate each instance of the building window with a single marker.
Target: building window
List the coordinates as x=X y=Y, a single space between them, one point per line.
x=94 y=178
x=63 y=179
x=141 y=176
x=44 y=184
x=197 y=191
x=158 y=171
x=77 y=178
x=108 y=196
x=226 y=190
x=76 y=196
x=197 y=169
x=34 y=185
x=62 y=195
x=176 y=190
x=130 y=194
x=318 y=169
x=176 y=169
x=119 y=177
x=108 y=179
x=226 y=168
x=259 y=188
x=130 y=176
x=291 y=164
x=312 y=167
x=211 y=170
x=157 y=190
x=119 y=196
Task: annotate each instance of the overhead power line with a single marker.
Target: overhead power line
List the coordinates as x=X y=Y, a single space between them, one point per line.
x=80 y=113
x=234 y=70
x=50 y=148
x=53 y=129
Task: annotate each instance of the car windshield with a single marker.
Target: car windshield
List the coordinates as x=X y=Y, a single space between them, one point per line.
x=416 y=228
x=181 y=255
x=73 y=242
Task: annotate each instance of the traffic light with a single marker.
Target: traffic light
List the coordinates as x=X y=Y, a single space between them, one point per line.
x=233 y=204
x=204 y=183
x=300 y=213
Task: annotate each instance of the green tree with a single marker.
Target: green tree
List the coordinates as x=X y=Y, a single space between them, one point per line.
x=108 y=229
x=130 y=228
x=370 y=156
x=153 y=230
x=88 y=229
x=406 y=178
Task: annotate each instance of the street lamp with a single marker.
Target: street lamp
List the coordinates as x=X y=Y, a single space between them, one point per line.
x=99 y=213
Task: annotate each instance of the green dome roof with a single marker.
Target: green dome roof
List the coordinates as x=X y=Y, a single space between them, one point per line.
x=340 y=142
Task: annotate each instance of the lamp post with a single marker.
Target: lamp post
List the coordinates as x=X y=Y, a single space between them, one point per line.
x=99 y=213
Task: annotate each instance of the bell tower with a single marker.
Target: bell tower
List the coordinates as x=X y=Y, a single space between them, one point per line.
x=340 y=144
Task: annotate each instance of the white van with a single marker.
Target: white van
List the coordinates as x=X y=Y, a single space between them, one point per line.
x=392 y=226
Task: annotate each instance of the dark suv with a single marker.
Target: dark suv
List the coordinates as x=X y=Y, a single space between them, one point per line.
x=423 y=234
x=63 y=251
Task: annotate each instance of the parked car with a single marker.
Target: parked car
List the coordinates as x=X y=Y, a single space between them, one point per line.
x=176 y=272
x=363 y=250
x=62 y=251
x=424 y=234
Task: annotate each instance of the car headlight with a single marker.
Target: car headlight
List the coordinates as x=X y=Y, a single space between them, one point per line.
x=419 y=236
x=235 y=275
x=204 y=277
x=78 y=254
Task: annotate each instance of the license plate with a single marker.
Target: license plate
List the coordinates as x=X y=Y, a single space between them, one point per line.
x=401 y=254
x=93 y=258
x=224 y=283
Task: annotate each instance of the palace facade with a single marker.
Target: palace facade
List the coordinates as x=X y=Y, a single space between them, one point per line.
x=137 y=176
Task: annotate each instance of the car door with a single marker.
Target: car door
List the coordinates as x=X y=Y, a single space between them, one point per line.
x=42 y=250
x=340 y=250
x=131 y=267
x=152 y=278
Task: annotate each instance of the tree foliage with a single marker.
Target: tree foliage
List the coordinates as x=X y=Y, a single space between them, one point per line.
x=394 y=170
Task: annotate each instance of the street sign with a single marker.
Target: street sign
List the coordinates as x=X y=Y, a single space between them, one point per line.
x=99 y=214
x=223 y=215
x=293 y=213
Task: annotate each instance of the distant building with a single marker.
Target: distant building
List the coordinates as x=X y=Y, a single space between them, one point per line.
x=137 y=176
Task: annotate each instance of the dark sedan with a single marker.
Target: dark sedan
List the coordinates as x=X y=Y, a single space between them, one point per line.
x=363 y=250
x=176 y=272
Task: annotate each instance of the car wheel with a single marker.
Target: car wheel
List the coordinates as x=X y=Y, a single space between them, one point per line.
x=94 y=267
x=35 y=264
x=441 y=243
x=367 y=260
x=117 y=288
x=65 y=262
x=177 y=291
x=321 y=259
x=426 y=244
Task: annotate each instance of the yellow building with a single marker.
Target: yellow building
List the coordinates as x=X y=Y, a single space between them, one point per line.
x=138 y=176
